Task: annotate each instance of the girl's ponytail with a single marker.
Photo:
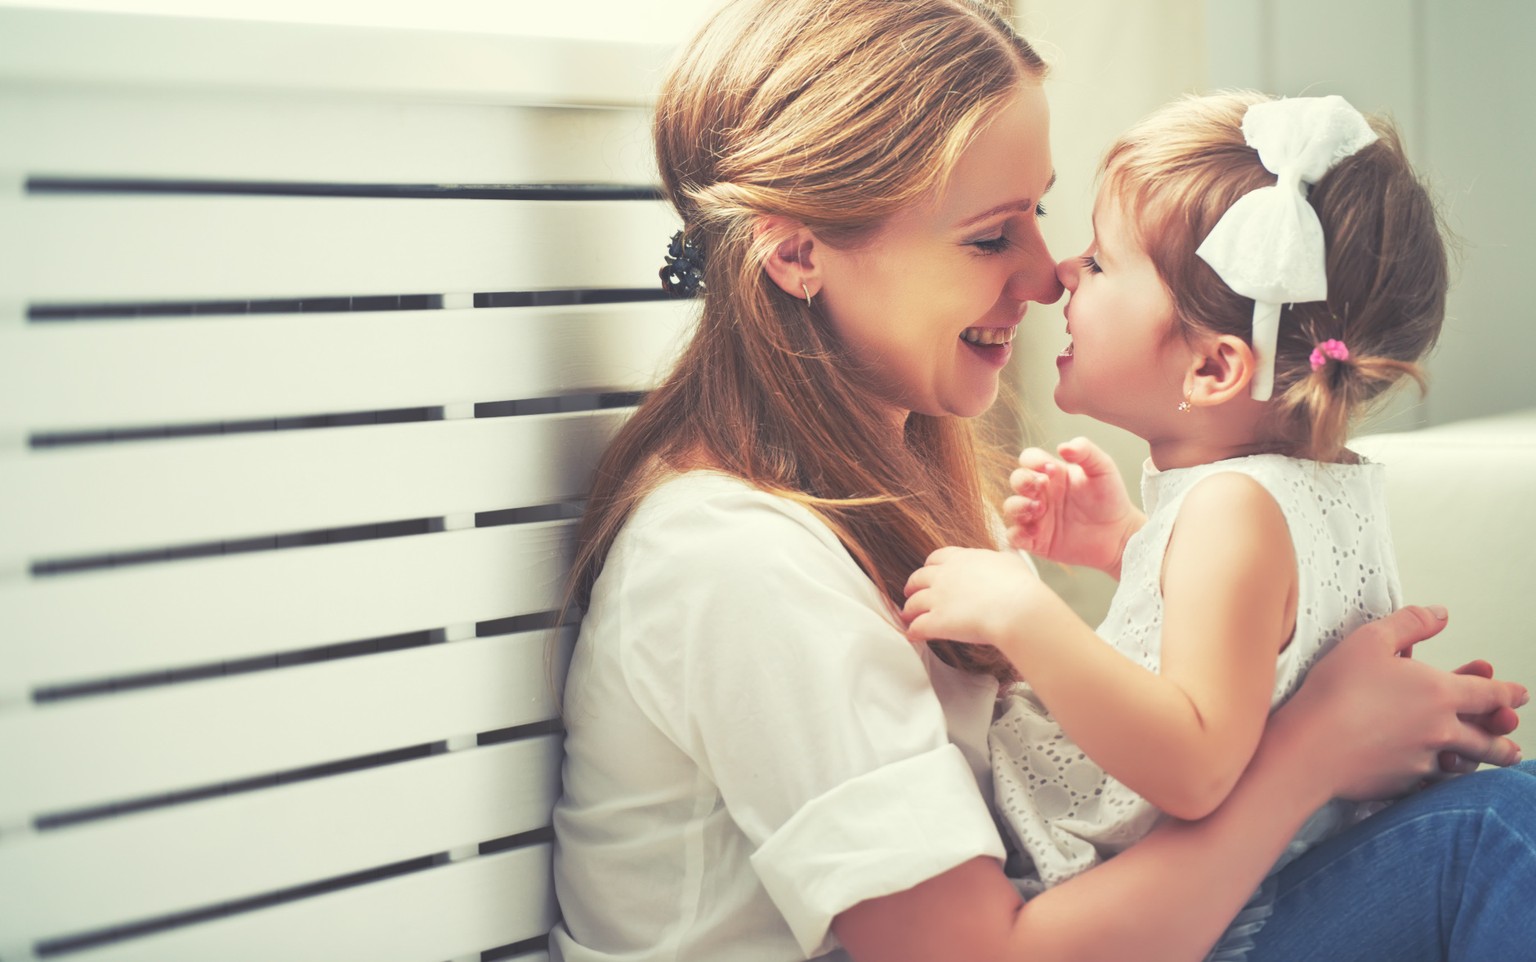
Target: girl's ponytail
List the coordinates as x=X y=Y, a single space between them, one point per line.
x=1339 y=385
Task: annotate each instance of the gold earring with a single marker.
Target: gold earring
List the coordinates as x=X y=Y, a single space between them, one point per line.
x=807 y=294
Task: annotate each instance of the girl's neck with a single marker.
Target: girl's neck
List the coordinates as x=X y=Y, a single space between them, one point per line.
x=1234 y=428
x=1190 y=452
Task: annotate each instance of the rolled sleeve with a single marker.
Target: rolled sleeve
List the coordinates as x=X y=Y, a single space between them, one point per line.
x=874 y=835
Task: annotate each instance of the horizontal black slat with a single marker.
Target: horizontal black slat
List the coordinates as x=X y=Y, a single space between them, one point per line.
x=150 y=185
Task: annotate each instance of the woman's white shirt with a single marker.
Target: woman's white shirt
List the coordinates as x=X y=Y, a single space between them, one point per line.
x=752 y=745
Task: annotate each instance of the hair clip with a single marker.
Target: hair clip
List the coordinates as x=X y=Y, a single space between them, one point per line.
x=683 y=274
x=1326 y=350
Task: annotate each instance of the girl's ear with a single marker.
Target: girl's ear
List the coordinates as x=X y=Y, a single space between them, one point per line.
x=1221 y=370
x=793 y=262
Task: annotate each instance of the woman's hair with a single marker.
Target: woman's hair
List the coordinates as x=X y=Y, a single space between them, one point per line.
x=1179 y=170
x=834 y=114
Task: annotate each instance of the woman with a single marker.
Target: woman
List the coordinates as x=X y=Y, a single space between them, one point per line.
x=758 y=765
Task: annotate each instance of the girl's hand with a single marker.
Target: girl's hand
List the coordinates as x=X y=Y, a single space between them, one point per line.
x=971 y=595
x=1073 y=508
x=1380 y=723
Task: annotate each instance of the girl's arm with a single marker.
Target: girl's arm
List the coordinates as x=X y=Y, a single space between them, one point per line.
x=1366 y=724
x=1181 y=737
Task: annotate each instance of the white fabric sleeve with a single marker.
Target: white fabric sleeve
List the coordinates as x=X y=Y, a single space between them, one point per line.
x=755 y=642
x=877 y=834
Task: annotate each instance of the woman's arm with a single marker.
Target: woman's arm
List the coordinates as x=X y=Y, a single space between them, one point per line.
x=1366 y=724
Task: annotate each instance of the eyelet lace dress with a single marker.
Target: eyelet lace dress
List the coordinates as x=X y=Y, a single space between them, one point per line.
x=1060 y=812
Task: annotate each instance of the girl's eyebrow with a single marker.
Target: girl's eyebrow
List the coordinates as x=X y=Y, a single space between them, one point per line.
x=1012 y=206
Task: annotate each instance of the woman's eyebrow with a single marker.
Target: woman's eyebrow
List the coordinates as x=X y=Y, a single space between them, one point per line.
x=1010 y=206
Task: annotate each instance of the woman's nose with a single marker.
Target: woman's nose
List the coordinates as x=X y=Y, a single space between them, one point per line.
x=1036 y=280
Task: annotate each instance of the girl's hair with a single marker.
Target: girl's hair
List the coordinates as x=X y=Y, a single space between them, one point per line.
x=1179 y=170
x=835 y=115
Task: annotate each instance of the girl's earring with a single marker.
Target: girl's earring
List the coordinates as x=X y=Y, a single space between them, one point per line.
x=1185 y=406
x=807 y=294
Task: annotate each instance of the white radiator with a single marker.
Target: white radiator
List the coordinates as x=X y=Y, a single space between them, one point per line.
x=309 y=337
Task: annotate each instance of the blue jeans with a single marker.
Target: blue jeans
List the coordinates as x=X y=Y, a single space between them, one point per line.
x=1446 y=875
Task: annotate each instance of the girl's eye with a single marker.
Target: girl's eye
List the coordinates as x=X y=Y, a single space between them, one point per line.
x=992 y=245
x=1090 y=264
x=1039 y=210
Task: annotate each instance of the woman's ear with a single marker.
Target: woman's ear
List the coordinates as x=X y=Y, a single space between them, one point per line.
x=1221 y=370
x=793 y=262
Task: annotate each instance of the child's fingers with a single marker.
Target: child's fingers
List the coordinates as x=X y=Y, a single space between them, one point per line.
x=1033 y=458
x=1086 y=455
x=1028 y=481
x=917 y=581
x=1019 y=508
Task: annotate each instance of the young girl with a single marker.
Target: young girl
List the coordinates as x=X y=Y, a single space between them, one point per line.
x=1260 y=269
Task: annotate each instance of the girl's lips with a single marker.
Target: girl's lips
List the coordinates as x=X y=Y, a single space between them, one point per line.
x=1065 y=357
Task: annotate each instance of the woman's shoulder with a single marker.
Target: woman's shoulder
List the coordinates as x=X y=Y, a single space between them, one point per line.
x=728 y=554
x=719 y=522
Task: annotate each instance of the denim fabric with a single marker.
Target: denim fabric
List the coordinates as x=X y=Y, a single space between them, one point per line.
x=1446 y=875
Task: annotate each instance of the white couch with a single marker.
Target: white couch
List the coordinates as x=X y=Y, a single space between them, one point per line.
x=1464 y=521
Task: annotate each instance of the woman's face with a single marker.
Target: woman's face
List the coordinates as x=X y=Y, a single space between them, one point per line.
x=929 y=306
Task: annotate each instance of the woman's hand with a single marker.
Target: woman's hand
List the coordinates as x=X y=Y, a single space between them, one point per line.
x=1071 y=507
x=1380 y=723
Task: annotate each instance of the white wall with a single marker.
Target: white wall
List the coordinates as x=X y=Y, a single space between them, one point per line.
x=1456 y=77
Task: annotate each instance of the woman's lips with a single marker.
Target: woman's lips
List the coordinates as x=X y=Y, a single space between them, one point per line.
x=988 y=336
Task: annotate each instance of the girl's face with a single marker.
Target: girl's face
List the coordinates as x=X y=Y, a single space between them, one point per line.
x=931 y=303
x=1126 y=363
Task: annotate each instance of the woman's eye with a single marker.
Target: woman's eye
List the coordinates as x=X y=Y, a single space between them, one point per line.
x=1090 y=264
x=992 y=245
x=1039 y=210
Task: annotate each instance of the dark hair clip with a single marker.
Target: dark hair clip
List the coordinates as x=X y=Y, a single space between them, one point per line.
x=683 y=274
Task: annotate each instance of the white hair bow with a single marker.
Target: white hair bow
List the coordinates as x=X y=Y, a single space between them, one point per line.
x=1269 y=245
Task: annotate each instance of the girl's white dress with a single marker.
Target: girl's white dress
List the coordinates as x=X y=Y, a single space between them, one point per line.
x=1061 y=813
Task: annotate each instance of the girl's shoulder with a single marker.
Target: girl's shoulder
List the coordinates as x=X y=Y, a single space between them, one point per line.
x=1307 y=493
x=1277 y=473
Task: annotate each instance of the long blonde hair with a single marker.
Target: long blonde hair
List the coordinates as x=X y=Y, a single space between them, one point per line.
x=1177 y=172
x=835 y=115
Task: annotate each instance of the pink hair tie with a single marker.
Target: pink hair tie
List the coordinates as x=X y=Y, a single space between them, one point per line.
x=1328 y=349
